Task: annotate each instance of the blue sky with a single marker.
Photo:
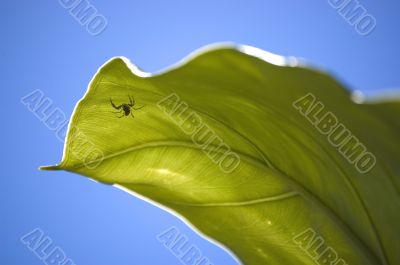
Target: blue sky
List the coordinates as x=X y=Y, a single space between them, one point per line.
x=44 y=47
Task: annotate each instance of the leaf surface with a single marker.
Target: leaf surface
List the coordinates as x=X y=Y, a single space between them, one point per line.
x=289 y=178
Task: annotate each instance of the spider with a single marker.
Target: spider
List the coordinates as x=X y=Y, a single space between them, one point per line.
x=125 y=108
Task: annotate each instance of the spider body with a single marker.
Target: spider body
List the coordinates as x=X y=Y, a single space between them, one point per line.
x=125 y=108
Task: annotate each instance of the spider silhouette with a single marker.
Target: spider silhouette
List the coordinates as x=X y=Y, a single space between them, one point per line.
x=125 y=108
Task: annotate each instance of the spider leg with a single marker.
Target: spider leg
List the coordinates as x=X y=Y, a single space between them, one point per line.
x=138 y=107
x=121 y=116
x=132 y=115
x=132 y=101
x=115 y=107
x=118 y=112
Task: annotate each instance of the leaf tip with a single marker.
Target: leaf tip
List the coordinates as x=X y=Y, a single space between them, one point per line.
x=53 y=167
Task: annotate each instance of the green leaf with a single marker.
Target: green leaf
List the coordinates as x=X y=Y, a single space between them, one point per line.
x=277 y=187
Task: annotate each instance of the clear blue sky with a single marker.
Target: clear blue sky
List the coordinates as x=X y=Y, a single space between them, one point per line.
x=44 y=47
